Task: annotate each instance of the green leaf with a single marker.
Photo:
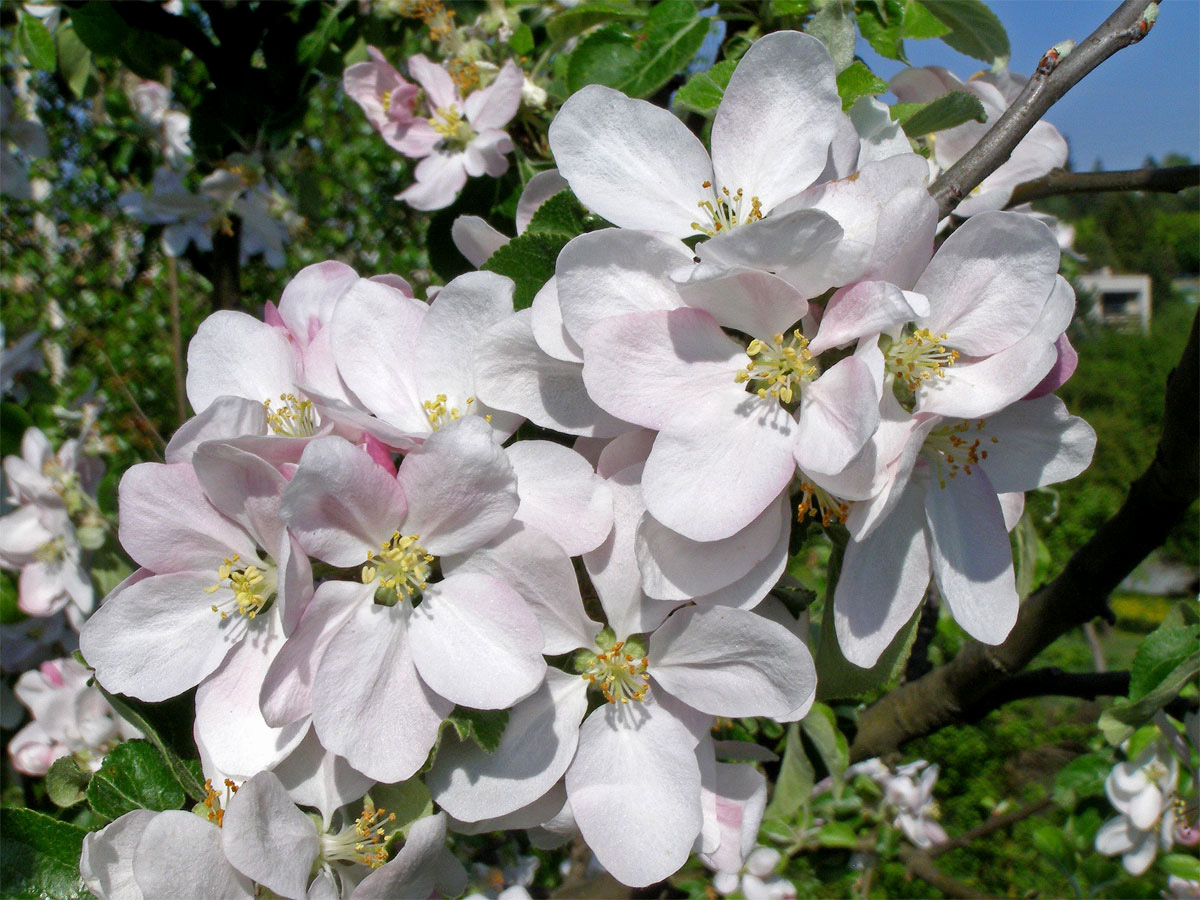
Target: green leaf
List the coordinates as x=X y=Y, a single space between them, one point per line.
x=561 y=214
x=837 y=834
x=1081 y=777
x=74 y=59
x=528 y=260
x=1181 y=865
x=858 y=81
x=1050 y=841
x=820 y=725
x=134 y=776
x=790 y=7
x=920 y=23
x=704 y=90
x=186 y=772
x=945 y=112
x=66 y=783
x=974 y=29
x=571 y=22
x=882 y=26
x=483 y=726
x=100 y=27
x=795 y=781
x=521 y=42
x=41 y=856
x=37 y=43
x=638 y=65
x=1160 y=654
x=1118 y=722
x=408 y=800
x=833 y=28
x=312 y=46
x=1025 y=560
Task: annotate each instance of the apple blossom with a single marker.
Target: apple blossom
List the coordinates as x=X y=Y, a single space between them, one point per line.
x=1143 y=791
x=385 y=96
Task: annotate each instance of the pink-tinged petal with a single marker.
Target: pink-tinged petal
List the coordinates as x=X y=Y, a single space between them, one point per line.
x=1012 y=506
x=286 y=694
x=416 y=140
x=635 y=164
x=629 y=449
x=244 y=487
x=340 y=504
x=436 y=81
x=920 y=85
x=229 y=724
x=268 y=839
x=168 y=525
x=422 y=868
x=308 y=300
x=440 y=176
x=863 y=309
x=971 y=557
x=1061 y=372
x=611 y=272
x=315 y=777
x=460 y=486
x=485 y=154
x=538 y=744
x=676 y=568
x=701 y=487
x=23 y=532
x=751 y=588
x=634 y=757
x=476 y=239
x=469 y=305
x=495 y=105
x=547 y=324
x=838 y=414
x=476 y=642
x=740 y=799
x=802 y=245
x=883 y=579
x=777 y=119
x=613 y=565
x=979 y=387
x=988 y=282
x=369 y=704
x=513 y=373
x=106 y=863
x=538 y=569
x=540 y=188
x=179 y=848
x=561 y=495
x=1036 y=442
x=235 y=354
x=373 y=332
x=649 y=367
x=756 y=303
x=730 y=662
x=224 y=418
x=549 y=809
x=158 y=637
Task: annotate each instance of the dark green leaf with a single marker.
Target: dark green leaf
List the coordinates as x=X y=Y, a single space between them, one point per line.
x=66 y=783
x=561 y=214
x=833 y=28
x=837 y=834
x=974 y=29
x=858 y=81
x=571 y=22
x=10 y=613
x=529 y=261
x=521 y=41
x=37 y=43
x=1182 y=865
x=1049 y=840
x=1160 y=654
x=100 y=27
x=920 y=23
x=1081 y=777
x=945 y=112
x=820 y=726
x=74 y=59
x=483 y=726
x=607 y=56
x=312 y=46
x=1118 y=722
x=134 y=776
x=408 y=801
x=704 y=90
x=41 y=856
x=790 y=7
x=795 y=781
x=882 y=26
x=184 y=771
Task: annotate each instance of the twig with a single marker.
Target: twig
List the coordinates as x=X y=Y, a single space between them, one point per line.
x=1055 y=75
x=1050 y=682
x=1096 y=646
x=993 y=823
x=1170 y=180
x=1156 y=501
x=176 y=340
x=920 y=864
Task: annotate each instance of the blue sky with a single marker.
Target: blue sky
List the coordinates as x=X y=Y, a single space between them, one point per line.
x=1143 y=101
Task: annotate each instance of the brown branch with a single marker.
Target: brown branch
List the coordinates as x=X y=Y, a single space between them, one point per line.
x=919 y=863
x=1055 y=75
x=992 y=823
x=1059 y=181
x=1155 y=503
x=1050 y=682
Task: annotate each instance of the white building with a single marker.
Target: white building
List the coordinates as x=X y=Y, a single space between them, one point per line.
x=1119 y=299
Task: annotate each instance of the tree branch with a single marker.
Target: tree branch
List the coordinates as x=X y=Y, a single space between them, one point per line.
x=992 y=823
x=1059 y=181
x=1055 y=75
x=1051 y=681
x=1155 y=503
x=919 y=863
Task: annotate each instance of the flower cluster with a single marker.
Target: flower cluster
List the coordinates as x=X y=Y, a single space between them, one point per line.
x=363 y=575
